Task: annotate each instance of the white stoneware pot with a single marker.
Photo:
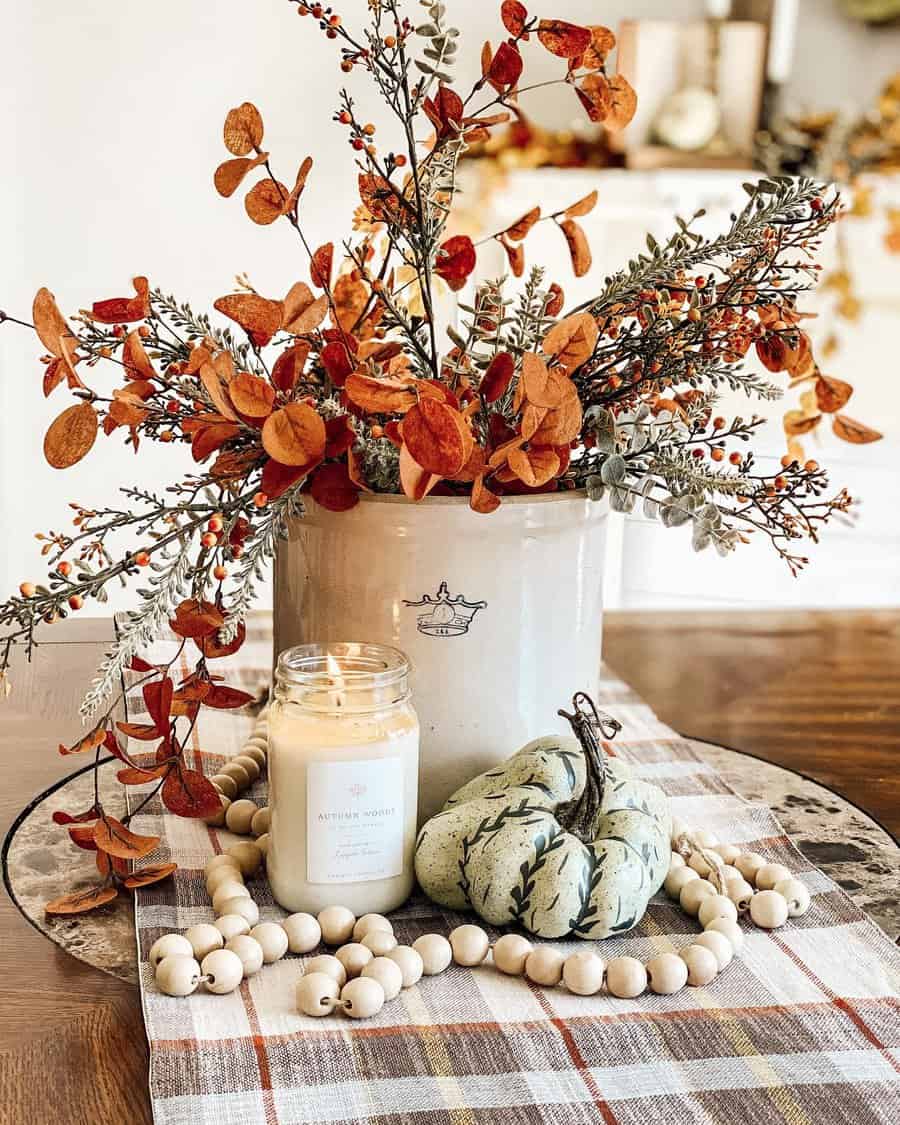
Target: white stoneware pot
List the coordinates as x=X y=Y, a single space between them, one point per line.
x=500 y=614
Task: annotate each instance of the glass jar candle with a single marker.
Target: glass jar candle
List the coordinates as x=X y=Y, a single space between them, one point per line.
x=343 y=778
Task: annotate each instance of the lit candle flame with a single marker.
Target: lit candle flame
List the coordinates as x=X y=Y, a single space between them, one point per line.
x=337 y=679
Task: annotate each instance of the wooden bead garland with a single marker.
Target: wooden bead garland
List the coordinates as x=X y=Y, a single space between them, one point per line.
x=369 y=968
x=583 y=973
x=317 y=994
x=667 y=974
x=753 y=891
x=388 y=974
x=250 y=952
x=380 y=942
x=239 y=773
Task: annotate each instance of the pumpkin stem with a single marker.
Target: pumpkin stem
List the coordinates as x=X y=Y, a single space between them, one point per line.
x=580 y=816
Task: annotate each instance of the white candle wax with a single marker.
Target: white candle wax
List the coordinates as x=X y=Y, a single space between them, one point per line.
x=343 y=795
x=782 y=32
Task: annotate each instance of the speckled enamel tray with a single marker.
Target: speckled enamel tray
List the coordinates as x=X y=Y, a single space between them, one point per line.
x=39 y=862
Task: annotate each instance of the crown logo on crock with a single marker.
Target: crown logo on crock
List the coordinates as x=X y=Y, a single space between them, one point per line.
x=447 y=616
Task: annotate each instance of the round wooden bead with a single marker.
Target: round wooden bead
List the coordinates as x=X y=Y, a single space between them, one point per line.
x=262 y=842
x=317 y=994
x=769 y=909
x=693 y=893
x=169 y=945
x=255 y=752
x=232 y=925
x=718 y=945
x=362 y=998
x=225 y=784
x=676 y=860
x=248 y=856
x=716 y=906
x=249 y=764
x=388 y=974
x=218 y=819
x=470 y=944
x=510 y=954
x=583 y=973
x=244 y=906
x=303 y=932
x=435 y=951
x=544 y=965
x=259 y=739
x=770 y=874
x=369 y=923
x=273 y=939
x=177 y=975
x=699 y=864
x=676 y=879
x=237 y=773
x=240 y=816
x=354 y=957
x=704 y=838
x=337 y=924
x=249 y=950
x=626 y=977
x=221 y=875
x=225 y=893
x=795 y=894
x=381 y=942
x=234 y=885
x=218 y=862
x=730 y=929
x=728 y=852
x=409 y=961
x=740 y=892
x=702 y=965
x=261 y=821
x=224 y=969
x=667 y=973
x=330 y=966
x=204 y=938
x=748 y=863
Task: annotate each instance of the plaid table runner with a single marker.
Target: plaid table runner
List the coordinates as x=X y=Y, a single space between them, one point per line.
x=803 y=1027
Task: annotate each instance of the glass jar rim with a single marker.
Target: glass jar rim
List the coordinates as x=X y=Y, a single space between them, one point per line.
x=360 y=666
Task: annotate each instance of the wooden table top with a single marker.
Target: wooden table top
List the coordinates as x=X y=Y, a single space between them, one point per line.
x=815 y=692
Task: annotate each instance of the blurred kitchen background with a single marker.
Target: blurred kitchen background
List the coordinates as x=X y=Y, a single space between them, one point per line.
x=113 y=130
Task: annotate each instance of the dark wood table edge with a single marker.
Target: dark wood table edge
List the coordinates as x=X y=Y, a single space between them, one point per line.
x=806 y=777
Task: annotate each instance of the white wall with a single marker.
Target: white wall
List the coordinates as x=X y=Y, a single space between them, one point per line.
x=112 y=132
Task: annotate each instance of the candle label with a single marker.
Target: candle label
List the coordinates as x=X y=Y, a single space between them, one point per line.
x=354 y=820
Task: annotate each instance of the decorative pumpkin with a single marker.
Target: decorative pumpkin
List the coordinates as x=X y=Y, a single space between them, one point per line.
x=560 y=840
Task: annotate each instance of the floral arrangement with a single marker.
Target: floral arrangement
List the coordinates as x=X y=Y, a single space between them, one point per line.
x=345 y=386
x=832 y=146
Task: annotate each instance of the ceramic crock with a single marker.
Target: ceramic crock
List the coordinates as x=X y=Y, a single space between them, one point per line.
x=499 y=614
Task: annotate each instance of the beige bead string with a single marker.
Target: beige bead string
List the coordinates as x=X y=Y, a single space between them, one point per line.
x=766 y=891
x=689 y=844
x=369 y=967
x=243 y=817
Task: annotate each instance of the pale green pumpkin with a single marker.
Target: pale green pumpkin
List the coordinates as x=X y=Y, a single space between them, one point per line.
x=560 y=840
